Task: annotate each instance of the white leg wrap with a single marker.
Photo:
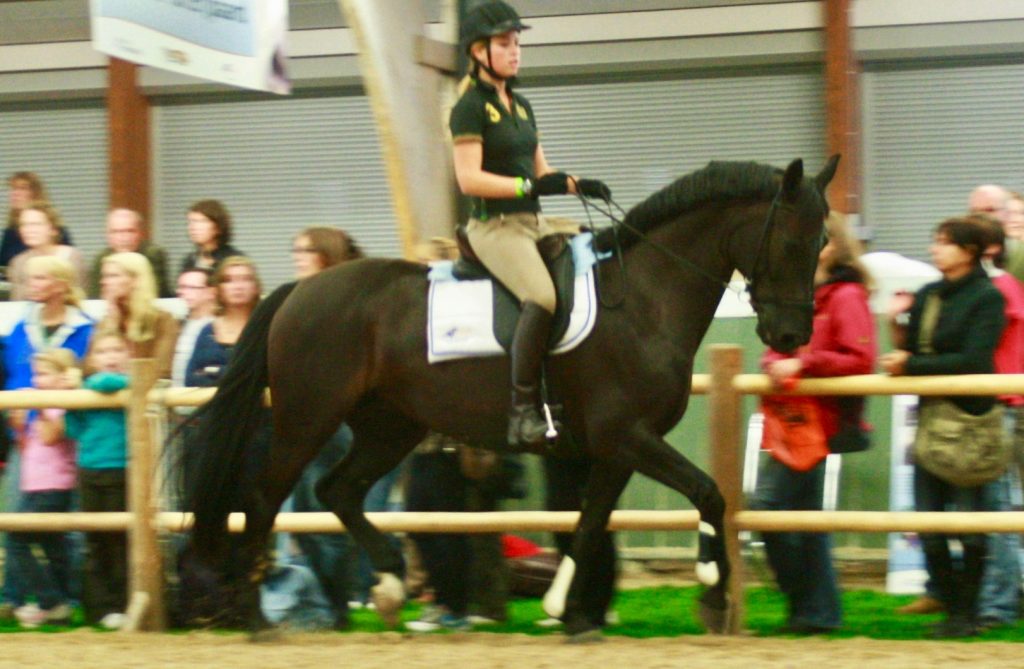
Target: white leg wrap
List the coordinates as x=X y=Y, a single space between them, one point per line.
x=554 y=599
x=707 y=572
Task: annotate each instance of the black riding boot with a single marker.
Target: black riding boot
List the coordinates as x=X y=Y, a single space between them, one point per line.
x=526 y=425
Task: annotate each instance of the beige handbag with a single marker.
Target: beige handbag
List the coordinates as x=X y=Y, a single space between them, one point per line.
x=960 y=448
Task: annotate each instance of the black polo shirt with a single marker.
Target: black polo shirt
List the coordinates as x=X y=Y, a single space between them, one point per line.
x=509 y=140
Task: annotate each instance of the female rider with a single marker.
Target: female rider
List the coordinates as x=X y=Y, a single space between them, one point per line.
x=500 y=164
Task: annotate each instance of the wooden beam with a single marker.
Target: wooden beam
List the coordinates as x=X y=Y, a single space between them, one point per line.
x=725 y=405
x=145 y=571
x=842 y=106
x=128 y=122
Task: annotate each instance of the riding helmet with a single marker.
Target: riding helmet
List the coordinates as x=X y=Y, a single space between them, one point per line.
x=488 y=19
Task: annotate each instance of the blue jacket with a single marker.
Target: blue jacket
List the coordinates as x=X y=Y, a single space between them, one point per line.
x=28 y=337
x=101 y=433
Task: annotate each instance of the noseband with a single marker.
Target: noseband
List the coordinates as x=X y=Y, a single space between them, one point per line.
x=761 y=262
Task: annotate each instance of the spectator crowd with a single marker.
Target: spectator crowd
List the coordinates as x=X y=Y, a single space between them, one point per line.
x=969 y=321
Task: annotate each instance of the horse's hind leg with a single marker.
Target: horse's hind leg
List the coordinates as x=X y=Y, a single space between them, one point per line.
x=382 y=440
x=655 y=458
x=295 y=442
x=605 y=484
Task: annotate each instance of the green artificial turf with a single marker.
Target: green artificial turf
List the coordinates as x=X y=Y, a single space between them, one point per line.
x=671 y=611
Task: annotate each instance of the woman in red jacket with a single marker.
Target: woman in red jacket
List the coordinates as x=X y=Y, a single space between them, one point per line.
x=843 y=342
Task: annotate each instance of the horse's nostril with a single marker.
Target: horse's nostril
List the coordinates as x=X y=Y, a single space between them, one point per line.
x=787 y=343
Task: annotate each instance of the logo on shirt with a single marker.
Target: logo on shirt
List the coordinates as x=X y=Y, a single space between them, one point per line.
x=522 y=112
x=492 y=113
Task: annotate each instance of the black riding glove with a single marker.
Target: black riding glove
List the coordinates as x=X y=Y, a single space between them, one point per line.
x=553 y=183
x=594 y=188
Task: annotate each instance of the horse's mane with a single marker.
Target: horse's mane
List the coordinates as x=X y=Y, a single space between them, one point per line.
x=719 y=180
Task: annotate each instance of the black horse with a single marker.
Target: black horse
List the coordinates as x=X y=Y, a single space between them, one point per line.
x=349 y=345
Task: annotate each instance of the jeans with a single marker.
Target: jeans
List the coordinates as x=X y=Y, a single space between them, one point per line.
x=50 y=583
x=999 y=600
x=12 y=592
x=802 y=561
x=328 y=555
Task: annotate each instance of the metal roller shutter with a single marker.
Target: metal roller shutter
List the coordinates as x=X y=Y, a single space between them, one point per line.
x=931 y=134
x=279 y=167
x=68 y=149
x=639 y=136
x=283 y=165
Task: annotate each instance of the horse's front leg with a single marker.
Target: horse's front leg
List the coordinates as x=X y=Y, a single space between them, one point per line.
x=655 y=458
x=583 y=614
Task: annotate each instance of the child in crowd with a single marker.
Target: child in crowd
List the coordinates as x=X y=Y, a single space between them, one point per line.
x=47 y=481
x=102 y=460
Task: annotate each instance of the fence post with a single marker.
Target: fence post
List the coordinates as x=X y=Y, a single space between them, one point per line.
x=145 y=570
x=725 y=417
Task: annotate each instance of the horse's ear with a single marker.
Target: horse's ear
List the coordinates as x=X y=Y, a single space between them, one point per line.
x=825 y=176
x=792 y=178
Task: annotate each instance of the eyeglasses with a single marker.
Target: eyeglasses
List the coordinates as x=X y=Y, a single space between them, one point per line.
x=303 y=249
x=184 y=287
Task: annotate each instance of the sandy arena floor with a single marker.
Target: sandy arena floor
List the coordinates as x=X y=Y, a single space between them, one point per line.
x=87 y=649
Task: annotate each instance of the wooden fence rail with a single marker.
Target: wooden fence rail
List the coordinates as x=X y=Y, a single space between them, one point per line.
x=725 y=386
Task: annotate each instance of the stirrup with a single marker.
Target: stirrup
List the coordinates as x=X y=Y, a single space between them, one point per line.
x=526 y=428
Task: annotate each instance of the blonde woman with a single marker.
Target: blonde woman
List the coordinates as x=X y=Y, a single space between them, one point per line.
x=128 y=287
x=41 y=230
x=53 y=319
x=238 y=292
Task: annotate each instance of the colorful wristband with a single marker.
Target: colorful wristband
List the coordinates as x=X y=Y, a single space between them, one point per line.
x=519 y=187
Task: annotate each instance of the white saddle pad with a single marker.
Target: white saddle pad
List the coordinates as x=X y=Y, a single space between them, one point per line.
x=460 y=319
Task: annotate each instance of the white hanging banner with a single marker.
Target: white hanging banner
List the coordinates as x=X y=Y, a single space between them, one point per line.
x=237 y=42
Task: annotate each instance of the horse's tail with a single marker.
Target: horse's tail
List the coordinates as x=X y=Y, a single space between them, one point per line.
x=219 y=456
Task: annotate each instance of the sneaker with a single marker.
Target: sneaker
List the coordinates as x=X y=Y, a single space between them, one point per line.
x=455 y=623
x=481 y=621
x=923 y=605
x=113 y=621
x=58 y=615
x=429 y=620
x=30 y=615
x=437 y=619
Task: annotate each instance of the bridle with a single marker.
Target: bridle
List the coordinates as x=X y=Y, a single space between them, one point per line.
x=750 y=282
x=761 y=259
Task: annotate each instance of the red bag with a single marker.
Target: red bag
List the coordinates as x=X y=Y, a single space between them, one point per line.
x=793 y=431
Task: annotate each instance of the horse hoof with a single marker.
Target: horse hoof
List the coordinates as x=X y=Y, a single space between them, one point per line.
x=717 y=620
x=388 y=597
x=586 y=637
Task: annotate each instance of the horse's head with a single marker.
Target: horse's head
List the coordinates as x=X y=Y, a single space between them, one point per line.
x=781 y=268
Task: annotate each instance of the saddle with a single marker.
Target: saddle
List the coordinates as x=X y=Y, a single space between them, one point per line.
x=558 y=257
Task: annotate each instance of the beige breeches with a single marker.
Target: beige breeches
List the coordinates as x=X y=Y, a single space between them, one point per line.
x=507 y=246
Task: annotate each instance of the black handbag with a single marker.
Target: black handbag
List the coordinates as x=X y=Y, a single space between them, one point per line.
x=851 y=437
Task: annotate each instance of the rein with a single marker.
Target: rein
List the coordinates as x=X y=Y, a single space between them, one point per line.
x=617 y=223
